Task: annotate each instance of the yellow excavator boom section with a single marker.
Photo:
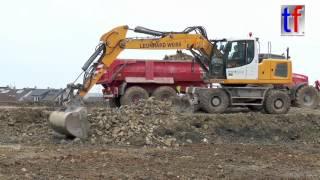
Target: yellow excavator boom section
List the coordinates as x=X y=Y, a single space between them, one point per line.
x=111 y=41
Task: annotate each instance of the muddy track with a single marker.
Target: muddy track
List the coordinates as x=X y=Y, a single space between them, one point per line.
x=150 y=141
x=244 y=161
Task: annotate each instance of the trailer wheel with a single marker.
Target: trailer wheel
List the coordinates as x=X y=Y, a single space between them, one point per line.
x=214 y=101
x=164 y=93
x=133 y=94
x=277 y=102
x=307 y=96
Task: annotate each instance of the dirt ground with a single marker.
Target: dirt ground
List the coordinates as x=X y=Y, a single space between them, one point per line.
x=157 y=143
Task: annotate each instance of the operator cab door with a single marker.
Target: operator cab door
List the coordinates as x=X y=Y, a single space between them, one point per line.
x=241 y=60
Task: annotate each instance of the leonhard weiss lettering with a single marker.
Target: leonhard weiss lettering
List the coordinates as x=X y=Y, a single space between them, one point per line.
x=160 y=45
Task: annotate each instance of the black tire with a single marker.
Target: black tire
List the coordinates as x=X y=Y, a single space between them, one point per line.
x=214 y=100
x=114 y=102
x=307 y=97
x=133 y=94
x=277 y=102
x=164 y=93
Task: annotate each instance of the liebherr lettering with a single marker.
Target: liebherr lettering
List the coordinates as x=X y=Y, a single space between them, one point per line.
x=160 y=45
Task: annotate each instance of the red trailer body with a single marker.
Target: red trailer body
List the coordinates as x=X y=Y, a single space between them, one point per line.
x=299 y=79
x=150 y=74
x=303 y=94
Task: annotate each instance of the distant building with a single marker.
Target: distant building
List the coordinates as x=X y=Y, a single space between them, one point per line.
x=21 y=93
x=36 y=95
x=53 y=95
x=8 y=95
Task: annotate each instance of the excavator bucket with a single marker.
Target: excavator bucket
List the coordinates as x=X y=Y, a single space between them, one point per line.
x=71 y=123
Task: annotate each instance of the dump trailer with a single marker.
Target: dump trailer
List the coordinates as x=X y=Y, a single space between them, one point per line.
x=128 y=80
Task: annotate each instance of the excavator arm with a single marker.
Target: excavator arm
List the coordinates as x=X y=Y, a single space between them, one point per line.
x=73 y=121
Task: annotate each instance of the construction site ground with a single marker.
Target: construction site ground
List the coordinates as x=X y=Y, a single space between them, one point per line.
x=151 y=141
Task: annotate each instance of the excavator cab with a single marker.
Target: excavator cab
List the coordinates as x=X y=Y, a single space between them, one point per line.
x=239 y=61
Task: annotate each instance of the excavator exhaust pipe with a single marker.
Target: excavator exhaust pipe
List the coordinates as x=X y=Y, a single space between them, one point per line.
x=71 y=123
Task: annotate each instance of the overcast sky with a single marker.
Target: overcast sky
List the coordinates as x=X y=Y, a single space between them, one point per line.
x=46 y=42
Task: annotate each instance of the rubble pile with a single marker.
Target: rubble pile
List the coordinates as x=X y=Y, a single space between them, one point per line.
x=156 y=123
x=136 y=124
x=152 y=122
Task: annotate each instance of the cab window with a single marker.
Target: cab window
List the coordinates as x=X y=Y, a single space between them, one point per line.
x=239 y=53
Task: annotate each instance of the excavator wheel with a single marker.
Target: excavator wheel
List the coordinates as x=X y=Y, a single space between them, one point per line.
x=164 y=93
x=277 y=102
x=214 y=101
x=133 y=95
x=307 y=97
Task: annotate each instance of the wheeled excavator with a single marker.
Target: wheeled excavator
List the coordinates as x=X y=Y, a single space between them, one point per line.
x=243 y=79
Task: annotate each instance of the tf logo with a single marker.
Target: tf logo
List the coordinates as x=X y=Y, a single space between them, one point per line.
x=292 y=20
